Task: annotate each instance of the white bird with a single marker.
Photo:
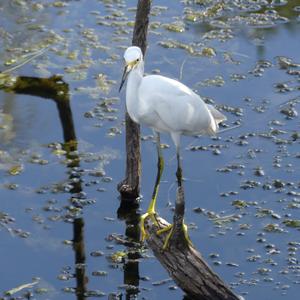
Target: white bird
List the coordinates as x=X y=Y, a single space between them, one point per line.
x=165 y=105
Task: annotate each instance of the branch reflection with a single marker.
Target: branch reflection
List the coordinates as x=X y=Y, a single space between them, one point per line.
x=78 y=223
x=128 y=211
x=56 y=89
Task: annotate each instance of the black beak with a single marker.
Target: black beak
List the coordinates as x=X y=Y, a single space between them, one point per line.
x=124 y=76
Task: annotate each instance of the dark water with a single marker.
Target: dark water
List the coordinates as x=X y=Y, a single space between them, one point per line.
x=246 y=181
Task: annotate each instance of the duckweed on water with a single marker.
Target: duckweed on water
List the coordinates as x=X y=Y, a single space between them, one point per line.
x=216 y=81
x=292 y=223
x=208 y=51
x=260 y=152
x=16 y=170
x=211 y=12
x=239 y=203
x=176 y=44
x=156 y=10
x=104 y=84
x=273 y=227
x=175 y=26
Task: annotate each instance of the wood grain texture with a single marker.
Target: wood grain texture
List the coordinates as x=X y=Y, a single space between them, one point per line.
x=183 y=262
x=187 y=267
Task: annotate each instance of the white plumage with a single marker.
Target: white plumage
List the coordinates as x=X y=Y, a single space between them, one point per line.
x=165 y=104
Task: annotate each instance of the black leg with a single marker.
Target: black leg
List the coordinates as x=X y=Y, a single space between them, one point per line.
x=179 y=170
x=160 y=166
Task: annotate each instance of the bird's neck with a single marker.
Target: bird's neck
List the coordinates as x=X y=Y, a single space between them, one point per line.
x=134 y=80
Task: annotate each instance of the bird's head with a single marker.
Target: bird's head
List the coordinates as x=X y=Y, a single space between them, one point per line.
x=133 y=56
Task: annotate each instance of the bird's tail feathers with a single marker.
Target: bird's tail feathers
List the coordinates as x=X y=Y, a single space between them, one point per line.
x=218 y=116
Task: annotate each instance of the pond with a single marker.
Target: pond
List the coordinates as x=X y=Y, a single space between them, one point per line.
x=62 y=150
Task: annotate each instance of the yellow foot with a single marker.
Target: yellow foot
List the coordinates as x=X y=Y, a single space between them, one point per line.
x=170 y=228
x=152 y=215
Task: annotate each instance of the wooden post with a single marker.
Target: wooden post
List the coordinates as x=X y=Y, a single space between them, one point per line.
x=129 y=188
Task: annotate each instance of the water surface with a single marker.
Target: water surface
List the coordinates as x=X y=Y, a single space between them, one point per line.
x=242 y=56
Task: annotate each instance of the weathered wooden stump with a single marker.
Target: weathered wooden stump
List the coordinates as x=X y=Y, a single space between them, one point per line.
x=183 y=262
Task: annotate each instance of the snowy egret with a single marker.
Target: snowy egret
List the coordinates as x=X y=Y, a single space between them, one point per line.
x=165 y=105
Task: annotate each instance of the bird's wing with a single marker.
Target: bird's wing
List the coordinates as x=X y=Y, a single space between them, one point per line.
x=171 y=106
